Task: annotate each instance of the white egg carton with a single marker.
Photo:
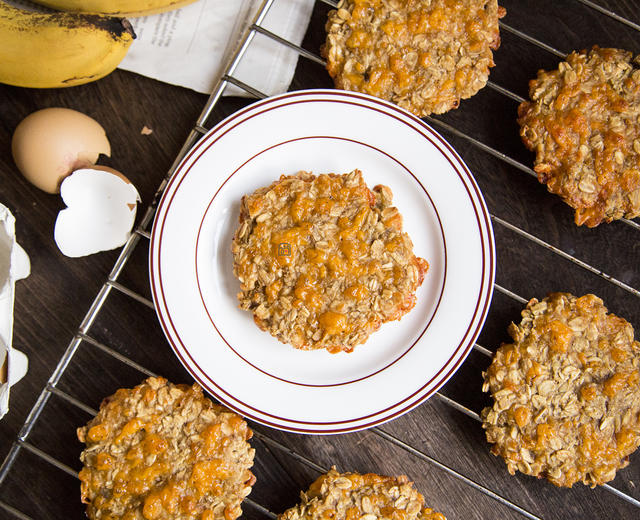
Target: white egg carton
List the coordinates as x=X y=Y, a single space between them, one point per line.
x=14 y=265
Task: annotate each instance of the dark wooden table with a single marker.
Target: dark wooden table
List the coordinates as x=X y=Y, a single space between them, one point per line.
x=443 y=450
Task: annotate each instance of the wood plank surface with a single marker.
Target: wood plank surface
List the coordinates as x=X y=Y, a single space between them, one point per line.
x=442 y=449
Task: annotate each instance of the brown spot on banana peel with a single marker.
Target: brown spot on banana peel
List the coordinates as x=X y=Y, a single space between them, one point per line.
x=126 y=25
x=74 y=79
x=116 y=27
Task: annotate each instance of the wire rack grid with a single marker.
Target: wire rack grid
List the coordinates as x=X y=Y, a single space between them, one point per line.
x=271 y=440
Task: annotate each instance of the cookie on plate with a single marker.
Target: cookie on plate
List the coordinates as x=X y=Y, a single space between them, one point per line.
x=423 y=55
x=344 y=496
x=162 y=451
x=566 y=392
x=583 y=123
x=323 y=261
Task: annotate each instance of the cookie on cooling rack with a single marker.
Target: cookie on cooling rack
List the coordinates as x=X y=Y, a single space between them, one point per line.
x=423 y=55
x=566 y=392
x=583 y=122
x=323 y=261
x=344 y=496
x=165 y=451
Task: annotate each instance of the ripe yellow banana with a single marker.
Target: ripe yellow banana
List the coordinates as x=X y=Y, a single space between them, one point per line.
x=59 y=49
x=115 y=7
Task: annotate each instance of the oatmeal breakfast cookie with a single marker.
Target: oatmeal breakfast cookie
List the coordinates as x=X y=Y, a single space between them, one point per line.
x=423 y=55
x=344 y=496
x=162 y=451
x=566 y=392
x=323 y=261
x=583 y=122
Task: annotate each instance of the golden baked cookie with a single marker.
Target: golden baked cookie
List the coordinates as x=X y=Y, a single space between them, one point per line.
x=323 y=261
x=583 y=123
x=423 y=55
x=566 y=392
x=346 y=496
x=161 y=451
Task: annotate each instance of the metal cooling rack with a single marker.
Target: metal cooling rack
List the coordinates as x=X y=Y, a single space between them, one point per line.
x=142 y=233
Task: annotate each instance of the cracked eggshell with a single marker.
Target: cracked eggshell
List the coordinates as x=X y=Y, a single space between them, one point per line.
x=101 y=209
x=50 y=143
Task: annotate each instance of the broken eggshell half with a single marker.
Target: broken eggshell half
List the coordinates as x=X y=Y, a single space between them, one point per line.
x=101 y=209
x=49 y=144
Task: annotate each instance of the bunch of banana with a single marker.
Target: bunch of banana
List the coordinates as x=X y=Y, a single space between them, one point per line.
x=46 y=50
x=115 y=7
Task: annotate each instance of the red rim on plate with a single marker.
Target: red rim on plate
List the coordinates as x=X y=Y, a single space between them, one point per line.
x=193 y=286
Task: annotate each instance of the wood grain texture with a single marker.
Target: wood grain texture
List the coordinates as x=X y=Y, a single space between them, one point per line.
x=443 y=450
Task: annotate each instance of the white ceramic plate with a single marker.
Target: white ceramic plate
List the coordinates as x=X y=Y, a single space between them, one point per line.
x=194 y=288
